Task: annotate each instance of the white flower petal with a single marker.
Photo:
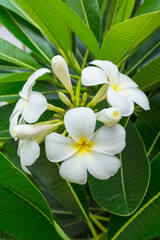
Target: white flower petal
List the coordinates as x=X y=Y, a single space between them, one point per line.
x=102 y=166
x=137 y=96
x=36 y=106
x=28 y=151
x=80 y=123
x=125 y=82
x=14 y=122
x=109 y=68
x=58 y=147
x=31 y=81
x=93 y=76
x=109 y=140
x=121 y=101
x=19 y=105
x=74 y=169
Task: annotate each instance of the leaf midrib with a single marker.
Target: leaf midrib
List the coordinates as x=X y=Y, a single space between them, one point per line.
x=18 y=61
x=45 y=25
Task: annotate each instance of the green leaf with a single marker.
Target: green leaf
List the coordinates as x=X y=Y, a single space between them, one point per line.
x=51 y=12
x=122 y=193
x=88 y=12
x=13 y=54
x=45 y=16
x=124 y=11
x=5 y=112
x=149 y=50
x=144 y=223
x=148 y=6
x=13 y=6
x=4 y=236
x=20 y=77
x=128 y=35
x=148 y=125
x=25 y=213
x=71 y=196
x=26 y=33
x=110 y=14
x=149 y=75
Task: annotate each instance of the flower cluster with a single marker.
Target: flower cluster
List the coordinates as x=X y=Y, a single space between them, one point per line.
x=70 y=137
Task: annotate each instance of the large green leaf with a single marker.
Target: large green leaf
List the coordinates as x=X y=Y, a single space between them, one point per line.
x=148 y=51
x=148 y=125
x=88 y=12
x=13 y=54
x=24 y=212
x=72 y=197
x=125 y=36
x=144 y=223
x=149 y=75
x=148 y=6
x=122 y=193
x=26 y=33
x=49 y=15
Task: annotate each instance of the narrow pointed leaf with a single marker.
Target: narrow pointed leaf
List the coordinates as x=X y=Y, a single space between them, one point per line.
x=52 y=13
x=123 y=37
x=149 y=50
x=88 y=12
x=23 y=206
x=123 y=192
x=26 y=33
x=20 y=77
x=12 y=54
x=148 y=6
x=149 y=75
x=45 y=16
x=144 y=223
x=124 y=11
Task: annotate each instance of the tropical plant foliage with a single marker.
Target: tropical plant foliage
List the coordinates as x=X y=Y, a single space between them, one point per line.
x=42 y=205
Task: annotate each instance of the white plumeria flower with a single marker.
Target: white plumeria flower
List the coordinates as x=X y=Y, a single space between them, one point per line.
x=85 y=150
x=109 y=116
x=31 y=105
x=60 y=69
x=28 y=151
x=122 y=91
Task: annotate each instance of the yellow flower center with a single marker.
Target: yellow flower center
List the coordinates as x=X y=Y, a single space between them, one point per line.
x=83 y=146
x=116 y=114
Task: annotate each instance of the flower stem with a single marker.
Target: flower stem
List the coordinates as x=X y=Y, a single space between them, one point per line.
x=102 y=218
x=85 y=59
x=101 y=227
x=55 y=109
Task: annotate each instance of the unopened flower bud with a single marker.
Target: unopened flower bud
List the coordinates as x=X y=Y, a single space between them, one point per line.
x=24 y=131
x=60 y=69
x=65 y=99
x=99 y=95
x=109 y=116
